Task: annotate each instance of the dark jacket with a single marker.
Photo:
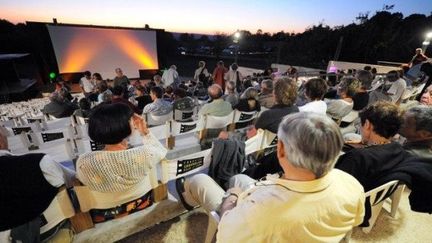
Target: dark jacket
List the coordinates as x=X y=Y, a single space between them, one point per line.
x=228 y=159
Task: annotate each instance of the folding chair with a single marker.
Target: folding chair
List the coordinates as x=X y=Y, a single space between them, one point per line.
x=376 y=198
x=241 y=117
x=186 y=165
x=216 y=122
x=182 y=128
x=60 y=208
x=184 y=115
x=153 y=120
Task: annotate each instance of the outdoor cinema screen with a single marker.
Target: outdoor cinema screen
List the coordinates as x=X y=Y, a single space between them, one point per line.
x=101 y=50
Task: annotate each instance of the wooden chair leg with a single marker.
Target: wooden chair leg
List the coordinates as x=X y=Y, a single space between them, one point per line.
x=160 y=193
x=81 y=221
x=170 y=142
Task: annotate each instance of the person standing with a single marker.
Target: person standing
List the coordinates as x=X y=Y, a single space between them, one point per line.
x=170 y=76
x=219 y=73
x=87 y=85
x=120 y=79
x=201 y=74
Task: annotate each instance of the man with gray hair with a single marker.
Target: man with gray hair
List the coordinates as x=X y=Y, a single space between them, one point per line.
x=59 y=107
x=417 y=129
x=120 y=79
x=266 y=98
x=309 y=202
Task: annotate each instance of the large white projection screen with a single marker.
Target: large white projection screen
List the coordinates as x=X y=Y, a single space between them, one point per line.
x=101 y=50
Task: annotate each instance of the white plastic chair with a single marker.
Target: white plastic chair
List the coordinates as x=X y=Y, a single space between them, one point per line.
x=153 y=120
x=186 y=165
x=376 y=198
x=184 y=115
x=215 y=122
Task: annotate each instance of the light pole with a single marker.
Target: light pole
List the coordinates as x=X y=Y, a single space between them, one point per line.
x=426 y=42
x=237 y=36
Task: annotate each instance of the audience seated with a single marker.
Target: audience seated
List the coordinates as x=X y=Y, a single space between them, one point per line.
x=104 y=94
x=59 y=107
x=285 y=94
x=249 y=101
x=118 y=97
x=379 y=123
x=217 y=107
x=315 y=89
x=168 y=94
x=157 y=79
x=426 y=97
x=361 y=97
x=117 y=168
x=309 y=202
x=28 y=185
x=397 y=88
x=417 y=129
x=159 y=106
x=231 y=94
x=266 y=96
x=182 y=101
x=84 y=110
x=338 y=108
x=141 y=97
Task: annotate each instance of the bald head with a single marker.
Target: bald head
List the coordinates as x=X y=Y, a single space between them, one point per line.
x=215 y=91
x=3 y=139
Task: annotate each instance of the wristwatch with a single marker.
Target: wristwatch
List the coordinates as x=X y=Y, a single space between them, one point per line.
x=228 y=194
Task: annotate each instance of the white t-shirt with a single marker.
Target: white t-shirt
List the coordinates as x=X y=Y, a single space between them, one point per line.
x=397 y=89
x=317 y=106
x=87 y=85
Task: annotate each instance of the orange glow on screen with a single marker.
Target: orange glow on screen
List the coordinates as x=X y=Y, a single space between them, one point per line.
x=101 y=50
x=78 y=55
x=132 y=47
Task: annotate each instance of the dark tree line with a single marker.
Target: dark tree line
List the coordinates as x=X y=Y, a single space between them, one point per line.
x=383 y=37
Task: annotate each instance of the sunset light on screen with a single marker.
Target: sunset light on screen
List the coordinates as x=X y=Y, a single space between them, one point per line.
x=103 y=49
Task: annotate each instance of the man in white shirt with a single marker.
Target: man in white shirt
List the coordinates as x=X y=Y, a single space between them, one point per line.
x=309 y=202
x=201 y=73
x=397 y=88
x=87 y=84
x=315 y=89
x=170 y=76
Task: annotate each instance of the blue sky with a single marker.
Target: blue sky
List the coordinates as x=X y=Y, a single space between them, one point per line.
x=204 y=16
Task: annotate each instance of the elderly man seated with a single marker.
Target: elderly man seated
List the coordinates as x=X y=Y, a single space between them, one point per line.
x=217 y=107
x=28 y=185
x=309 y=202
x=417 y=129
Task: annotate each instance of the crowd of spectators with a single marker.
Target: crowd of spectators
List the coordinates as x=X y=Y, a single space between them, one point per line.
x=311 y=180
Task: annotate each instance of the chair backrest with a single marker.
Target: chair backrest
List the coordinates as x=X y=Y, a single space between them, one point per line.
x=89 y=199
x=59 y=123
x=243 y=116
x=40 y=138
x=186 y=165
x=214 y=122
x=181 y=128
x=350 y=117
x=379 y=194
x=60 y=208
x=59 y=150
x=153 y=120
x=86 y=145
x=184 y=115
x=19 y=130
